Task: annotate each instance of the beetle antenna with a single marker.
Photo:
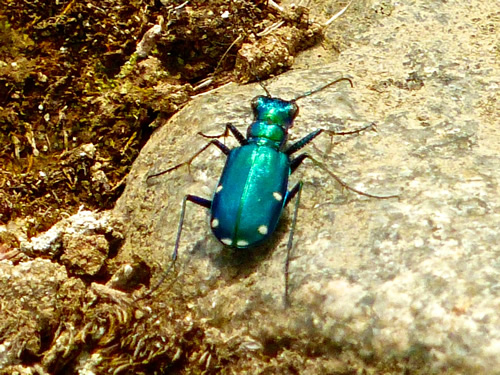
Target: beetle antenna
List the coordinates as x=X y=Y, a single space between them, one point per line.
x=323 y=87
x=264 y=87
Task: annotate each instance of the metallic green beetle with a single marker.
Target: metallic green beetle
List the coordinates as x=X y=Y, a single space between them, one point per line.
x=253 y=189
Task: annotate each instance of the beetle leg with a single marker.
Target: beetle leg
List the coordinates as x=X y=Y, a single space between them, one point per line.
x=344 y=184
x=308 y=138
x=195 y=199
x=369 y=126
x=191 y=198
x=304 y=141
x=226 y=150
x=296 y=191
x=236 y=133
x=294 y=164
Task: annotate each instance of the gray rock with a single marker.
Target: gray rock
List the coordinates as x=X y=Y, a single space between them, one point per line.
x=409 y=283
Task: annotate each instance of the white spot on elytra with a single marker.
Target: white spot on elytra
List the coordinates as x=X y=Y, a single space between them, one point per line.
x=215 y=223
x=262 y=229
x=277 y=196
x=227 y=241
x=242 y=243
x=219 y=188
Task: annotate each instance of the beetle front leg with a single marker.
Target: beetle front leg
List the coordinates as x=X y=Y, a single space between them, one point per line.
x=308 y=138
x=236 y=133
x=303 y=142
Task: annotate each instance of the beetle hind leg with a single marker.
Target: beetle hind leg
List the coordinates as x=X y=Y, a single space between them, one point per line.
x=191 y=198
x=295 y=192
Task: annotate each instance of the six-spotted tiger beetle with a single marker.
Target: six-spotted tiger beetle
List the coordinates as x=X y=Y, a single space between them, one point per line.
x=253 y=188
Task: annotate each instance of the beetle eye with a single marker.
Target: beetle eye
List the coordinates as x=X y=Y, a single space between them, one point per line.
x=294 y=111
x=255 y=102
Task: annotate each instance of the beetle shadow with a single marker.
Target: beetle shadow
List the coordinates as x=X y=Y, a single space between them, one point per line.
x=236 y=264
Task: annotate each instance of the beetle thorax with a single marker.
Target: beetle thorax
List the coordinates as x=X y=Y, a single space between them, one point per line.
x=261 y=131
x=272 y=119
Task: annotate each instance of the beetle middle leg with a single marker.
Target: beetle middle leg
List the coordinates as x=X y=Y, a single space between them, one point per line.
x=344 y=184
x=294 y=164
x=226 y=150
x=215 y=142
x=299 y=159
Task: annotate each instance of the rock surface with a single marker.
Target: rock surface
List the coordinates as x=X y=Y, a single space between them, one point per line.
x=408 y=283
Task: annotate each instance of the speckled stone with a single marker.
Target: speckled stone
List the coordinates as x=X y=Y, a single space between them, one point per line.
x=409 y=283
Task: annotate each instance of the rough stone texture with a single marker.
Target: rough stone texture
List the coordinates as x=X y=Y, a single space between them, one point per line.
x=399 y=286
x=408 y=285
x=85 y=254
x=59 y=238
x=30 y=307
x=49 y=320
